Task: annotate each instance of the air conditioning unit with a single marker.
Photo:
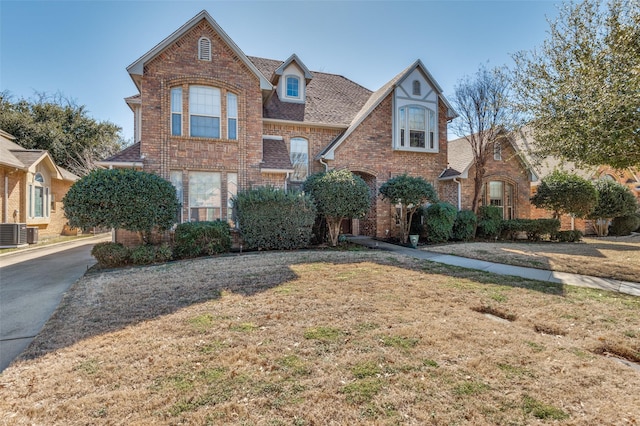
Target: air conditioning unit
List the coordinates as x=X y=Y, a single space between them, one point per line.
x=13 y=234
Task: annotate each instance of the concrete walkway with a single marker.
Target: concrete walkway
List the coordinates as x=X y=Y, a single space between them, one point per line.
x=577 y=280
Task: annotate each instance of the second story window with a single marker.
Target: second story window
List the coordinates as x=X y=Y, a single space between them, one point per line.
x=293 y=87
x=232 y=116
x=176 y=111
x=204 y=112
x=497 y=151
x=416 y=128
x=416 y=88
x=204 y=49
x=299 y=155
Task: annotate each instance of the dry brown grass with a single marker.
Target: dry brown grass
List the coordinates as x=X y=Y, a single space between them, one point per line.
x=315 y=338
x=611 y=257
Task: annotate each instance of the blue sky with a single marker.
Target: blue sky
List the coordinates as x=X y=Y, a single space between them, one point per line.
x=81 y=48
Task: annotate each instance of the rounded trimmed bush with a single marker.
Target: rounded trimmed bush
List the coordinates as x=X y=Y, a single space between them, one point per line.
x=439 y=220
x=111 y=255
x=624 y=225
x=464 y=228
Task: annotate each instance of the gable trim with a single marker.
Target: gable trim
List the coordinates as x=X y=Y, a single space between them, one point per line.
x=136 y=69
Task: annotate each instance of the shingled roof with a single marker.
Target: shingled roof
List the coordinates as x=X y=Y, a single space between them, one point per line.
x=331 y=99
x=275 y=156
x=130 y=154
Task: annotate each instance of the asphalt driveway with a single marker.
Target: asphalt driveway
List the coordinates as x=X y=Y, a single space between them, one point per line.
x=32 y=283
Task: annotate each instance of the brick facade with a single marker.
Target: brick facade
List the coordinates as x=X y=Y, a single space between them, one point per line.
x=325 y=114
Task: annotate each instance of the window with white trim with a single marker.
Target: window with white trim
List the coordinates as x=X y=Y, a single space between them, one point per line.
x=175 y=177
x=204 y=196
x=416 y=88
x=293 y=87
x=232 y=116
x=232 y=191
x=497 y=151
x=204 y=49
x=176 y=111
x=204 y=112
x=416 y=128
x=500 y=194
x=38 y=197
x=299 y=154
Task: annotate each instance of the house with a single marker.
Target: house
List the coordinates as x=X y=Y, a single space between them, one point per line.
x=214 y=121
x=32 y=189
x=513 y=173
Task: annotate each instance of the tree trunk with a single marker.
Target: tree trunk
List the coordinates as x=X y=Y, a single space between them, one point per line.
x=333 y=223
x=477 y=188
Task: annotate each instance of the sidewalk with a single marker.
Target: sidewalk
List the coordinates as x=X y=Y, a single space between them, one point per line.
x=577 y=280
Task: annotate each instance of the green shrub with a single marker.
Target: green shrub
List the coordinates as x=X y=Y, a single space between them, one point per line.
x=489 y=221
x=123 y=199
x=193 y=239
x=569 y=236
x=143 y=255
x=624 y=225
x=439 y=221
x=534 y=228
x=464 y=227
x=540 y=227
x=509 y=229
x=271 y=219
x=338 y=195
x=110 y=255
x=164 y=253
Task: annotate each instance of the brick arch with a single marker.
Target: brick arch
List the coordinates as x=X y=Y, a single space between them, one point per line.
x=368 y=224
x=515 y=204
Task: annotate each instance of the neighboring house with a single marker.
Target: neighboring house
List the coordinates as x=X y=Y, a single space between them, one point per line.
x=513 y=175
x=32 y=188
x=214 y=121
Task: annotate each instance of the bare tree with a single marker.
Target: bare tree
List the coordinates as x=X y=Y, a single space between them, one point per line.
x=482 y=102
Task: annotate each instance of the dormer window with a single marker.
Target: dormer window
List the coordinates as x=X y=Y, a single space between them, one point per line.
x=416 y=88
x=204 y=49
x=293 y=87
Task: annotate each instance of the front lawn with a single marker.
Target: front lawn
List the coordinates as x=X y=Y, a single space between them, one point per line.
x=610 y=257
x=303 y=338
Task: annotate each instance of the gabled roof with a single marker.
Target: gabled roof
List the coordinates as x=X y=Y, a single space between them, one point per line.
x=294 y=58
x=377 y=97
x=136 y=69
x=331 y=99
x=275 y=156
x=13 y=155
x=460 y=158
x=128 y=157
x=523 y=142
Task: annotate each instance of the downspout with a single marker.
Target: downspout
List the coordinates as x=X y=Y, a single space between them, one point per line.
x=326 y=166
x=459 y=193
x=286 y=181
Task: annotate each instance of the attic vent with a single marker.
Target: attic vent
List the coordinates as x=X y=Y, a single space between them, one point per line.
x=204 y=49
x=416 y=88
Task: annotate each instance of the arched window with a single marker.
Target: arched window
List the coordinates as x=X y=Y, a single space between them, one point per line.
x=500 y=194
x=204 y=49
x=416 y=126
x=416 y=88
x=299 y=154
x=38 y=195
x=497 y=151
x=293 y=87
